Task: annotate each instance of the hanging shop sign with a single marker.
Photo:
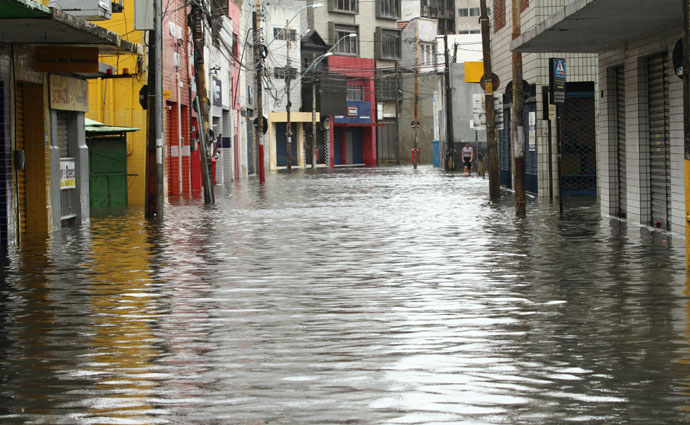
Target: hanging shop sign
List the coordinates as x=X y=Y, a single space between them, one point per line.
x=66 y=59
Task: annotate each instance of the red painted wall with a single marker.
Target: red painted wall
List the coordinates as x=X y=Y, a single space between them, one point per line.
x=361 y=70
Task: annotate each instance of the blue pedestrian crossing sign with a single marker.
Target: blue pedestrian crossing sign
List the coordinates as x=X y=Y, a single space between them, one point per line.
x=557 y=80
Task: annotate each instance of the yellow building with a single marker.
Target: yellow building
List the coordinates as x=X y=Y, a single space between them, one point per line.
x=115 y=101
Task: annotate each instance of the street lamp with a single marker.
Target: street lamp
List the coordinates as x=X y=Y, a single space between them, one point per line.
x=282 y=30
x=286 y=30
x=313 y=105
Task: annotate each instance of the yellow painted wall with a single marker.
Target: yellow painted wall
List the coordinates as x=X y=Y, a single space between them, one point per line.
x=115 y=101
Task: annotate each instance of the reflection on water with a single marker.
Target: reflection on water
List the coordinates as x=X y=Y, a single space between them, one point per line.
x=362 y=296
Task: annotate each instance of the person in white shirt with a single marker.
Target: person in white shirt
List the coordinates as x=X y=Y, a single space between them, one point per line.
x=467 y=158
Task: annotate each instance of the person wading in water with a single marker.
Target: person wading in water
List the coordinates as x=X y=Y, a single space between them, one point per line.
x=467 y=158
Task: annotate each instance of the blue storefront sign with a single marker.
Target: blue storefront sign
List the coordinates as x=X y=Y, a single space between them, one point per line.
x=362 y=116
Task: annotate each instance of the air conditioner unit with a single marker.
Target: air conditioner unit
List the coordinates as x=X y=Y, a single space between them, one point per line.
x=91 y=10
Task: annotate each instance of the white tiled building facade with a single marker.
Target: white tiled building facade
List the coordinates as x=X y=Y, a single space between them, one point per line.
x=580 y=68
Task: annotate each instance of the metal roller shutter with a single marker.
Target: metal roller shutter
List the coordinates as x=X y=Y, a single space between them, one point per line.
x=620 y=138
x=62 y=134
x=21 y=174
x=659 y=149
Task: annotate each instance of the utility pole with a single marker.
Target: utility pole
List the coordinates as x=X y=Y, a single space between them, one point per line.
x=154 y=151
x=398 y=86
x=450 y=149
x=202 y=99
x=686 y=121
x=492 y=143
x=313 y=116
x=416 y=97
x=517 y=125
x=258 y=60
x=287 y=106
x=455 y=53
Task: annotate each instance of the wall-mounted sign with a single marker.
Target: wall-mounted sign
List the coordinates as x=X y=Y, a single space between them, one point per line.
x=167 y=94
x=557 y=80
x=69 y=94
x=66 y=59
x=217 y=92
x=352 y=111
x=68 y=176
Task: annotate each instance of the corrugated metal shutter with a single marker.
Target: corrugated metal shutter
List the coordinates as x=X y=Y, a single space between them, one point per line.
x=62 y=133
x=620 y=137
x=21 y=174
x=659 y=149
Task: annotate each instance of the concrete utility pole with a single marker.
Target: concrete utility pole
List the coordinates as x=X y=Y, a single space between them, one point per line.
x=686 y=123
x=154 y=151
x=287 y=106
x=450 y=148
x=492 y=143
x=313 y=116
x=203 y=103
x=517 y=125
x=258 y=60
x=416 y=97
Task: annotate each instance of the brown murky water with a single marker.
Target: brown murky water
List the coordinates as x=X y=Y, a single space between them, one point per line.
x=361 y=296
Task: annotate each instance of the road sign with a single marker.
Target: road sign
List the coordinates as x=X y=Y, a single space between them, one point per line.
x=557 y=80
x=479 y=112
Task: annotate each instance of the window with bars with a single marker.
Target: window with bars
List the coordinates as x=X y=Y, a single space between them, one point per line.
x=387 y=86
x=499 y=14
x=389 y=9
x=345 y=44
x=280 y=72
x=355 y=92
x=279 y=33
x=389 y=43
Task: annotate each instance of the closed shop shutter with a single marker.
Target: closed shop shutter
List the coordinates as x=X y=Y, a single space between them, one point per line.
x=620 y=138
x=21 y=145
x=62 y=133
x=659 y=149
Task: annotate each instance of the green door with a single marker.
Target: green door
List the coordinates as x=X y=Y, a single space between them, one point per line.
x=108 y=172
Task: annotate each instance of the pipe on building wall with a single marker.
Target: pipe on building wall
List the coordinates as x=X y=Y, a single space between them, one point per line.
x=179 y=132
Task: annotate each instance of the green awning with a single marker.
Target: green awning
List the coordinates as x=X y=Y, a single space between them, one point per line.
x=30 y=22
x=23 y=9
x=95 y=127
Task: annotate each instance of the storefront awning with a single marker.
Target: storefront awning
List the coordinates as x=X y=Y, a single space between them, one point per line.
x=95 y=127
x=593 y=26
x=29 y=22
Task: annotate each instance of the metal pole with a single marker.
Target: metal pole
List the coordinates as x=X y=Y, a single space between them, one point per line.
x=313 y=116
x=559 y=146
x=398 y=86
x=287 y=106
x=416 y=97
x=154 y=163
x=259 y=96
x=492 y=143
x=517 y=126
x=450 y=145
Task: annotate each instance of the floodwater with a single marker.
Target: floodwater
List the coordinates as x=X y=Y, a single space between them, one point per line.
x=359 y=296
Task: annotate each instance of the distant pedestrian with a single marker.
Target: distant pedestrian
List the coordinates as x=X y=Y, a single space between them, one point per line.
x=467 y=158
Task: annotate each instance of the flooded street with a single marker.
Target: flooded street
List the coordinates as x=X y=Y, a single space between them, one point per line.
x=359 y=296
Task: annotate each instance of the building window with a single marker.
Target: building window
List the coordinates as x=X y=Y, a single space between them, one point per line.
x=475 y=11
x=279 y=72
x=464 y=12
x=499 y=14
x=426 y=53
x=279 y=33
x=346 y=45
x=389 y=9
x=355 y=92
x=348 y=6
x=389 y=44
x=235 y=45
